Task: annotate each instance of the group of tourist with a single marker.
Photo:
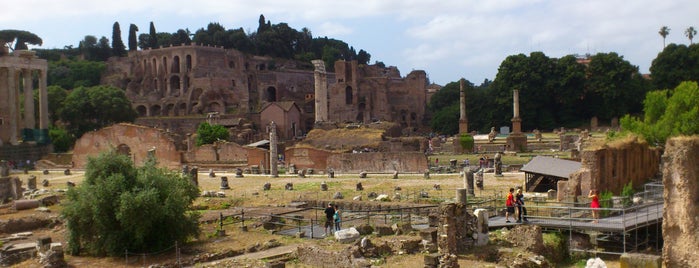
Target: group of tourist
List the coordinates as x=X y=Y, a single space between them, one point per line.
x=333 y=219
x=515 y=200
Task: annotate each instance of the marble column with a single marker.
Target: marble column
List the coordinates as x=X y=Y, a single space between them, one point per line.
x=14 y=109
x=321 y=91
x=273 y=150
x=463 y=119
x=29 y=121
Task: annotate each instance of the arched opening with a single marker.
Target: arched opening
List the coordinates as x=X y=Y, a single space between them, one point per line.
x=165 y=64
x=182 y=109
x=188 y=62
x=186 y=84
x=145 y=65
x=175 y=84
x=413 y=118
x=213 y=107
x=155 y=85
x=123 y=149
x=141 y=110
x=155 y=110
x=271 y=94
x=176 y=64
x=348 y=95
x=154 y=67
x=169 y=110
x=231 y=64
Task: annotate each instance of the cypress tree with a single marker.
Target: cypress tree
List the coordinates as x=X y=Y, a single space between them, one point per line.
x=118 y=48
x=133 y=42
x=153 y=40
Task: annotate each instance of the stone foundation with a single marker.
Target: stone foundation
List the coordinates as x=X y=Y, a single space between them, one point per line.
x=456 y=229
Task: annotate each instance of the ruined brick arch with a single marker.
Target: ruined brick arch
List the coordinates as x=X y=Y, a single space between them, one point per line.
x=188 y=62
x=155 y=110
x=413 y=118
x=142 y=110
x=145 y=66
x=170 y=110
x=165 y=64
x=348 y=95
x=185 y=84
x=176 y=64
x=182 y=109
x=123 y=149
x=214 y=106
x=154 y=67
x=174 y=84
x=271 y=94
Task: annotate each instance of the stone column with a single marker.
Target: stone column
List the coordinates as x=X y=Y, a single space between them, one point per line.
x=321 y=91
x=43 y=106
x=461 y=196
x=516 y=121
x=463 y=119
x=14 y=109
x=481 y=226
x=273 y=150
x=29 y=121
x=468 y=181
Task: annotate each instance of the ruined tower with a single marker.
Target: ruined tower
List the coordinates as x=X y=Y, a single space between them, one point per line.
x=516 y=141
x=463 y=119
x=321 y=91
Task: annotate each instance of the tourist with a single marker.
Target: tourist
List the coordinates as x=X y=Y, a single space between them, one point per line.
x=329 y=213
x=510 y=203
x=337 y=217
x=521 y=210
x=594 y=204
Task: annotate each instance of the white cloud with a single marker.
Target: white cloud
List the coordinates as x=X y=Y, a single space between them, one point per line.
x=331 y=29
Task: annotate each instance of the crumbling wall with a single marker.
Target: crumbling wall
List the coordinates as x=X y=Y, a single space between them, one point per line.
x=135 y=139
x=456 y=229
x=615 y=164
x=378 y=162
x=681 y=182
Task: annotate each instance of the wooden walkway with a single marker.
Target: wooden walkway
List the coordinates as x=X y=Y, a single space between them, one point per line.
x=625 y=220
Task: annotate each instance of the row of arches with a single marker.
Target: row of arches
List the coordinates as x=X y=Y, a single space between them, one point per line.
x=163 y=67
x=178 y=109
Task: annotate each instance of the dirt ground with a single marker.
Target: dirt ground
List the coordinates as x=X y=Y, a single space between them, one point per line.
x=247 y=192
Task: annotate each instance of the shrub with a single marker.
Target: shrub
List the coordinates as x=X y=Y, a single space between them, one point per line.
x=466 y=141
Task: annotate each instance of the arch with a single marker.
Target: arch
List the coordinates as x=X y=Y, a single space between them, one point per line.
x=155 y=110
x=231 y=64
x=123 y=149
x=175 y=84
x=271 y=94
x=154 y=67
x=188 y=62
x=142 y=110
x=176 y=64
x=165 y=64
x=214 y=107
x=185 y=84
x=155 y=83
x=348 y=95
x=413 y=117
x=182 y=109
x=403 y=116
x=145 y=65
x=169 y=110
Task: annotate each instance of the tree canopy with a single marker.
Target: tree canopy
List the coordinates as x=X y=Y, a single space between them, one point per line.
x=119 y=207
x=676 y=63
x=667 y=113
x=20 y=38
x=118 y=48
x=208 y=134
x=91 y=108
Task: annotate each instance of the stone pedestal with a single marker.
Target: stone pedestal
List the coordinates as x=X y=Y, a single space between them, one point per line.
x=468 y=181
x=481 y=227
x=517 y=142
x=461 y=196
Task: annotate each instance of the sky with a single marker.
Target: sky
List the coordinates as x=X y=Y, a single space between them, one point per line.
x=448 y=39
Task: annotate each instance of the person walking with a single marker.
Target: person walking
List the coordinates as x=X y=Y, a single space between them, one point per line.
x=337 y=217
x=510 y=204
x=594 y=205
x=329 y=214
x=521 y=210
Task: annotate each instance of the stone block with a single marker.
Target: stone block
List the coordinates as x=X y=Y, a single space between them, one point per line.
x=383 y=230
x=630 y=260
x=364 y=229
x=429 y=234
x=347 y=235
x=338 y=195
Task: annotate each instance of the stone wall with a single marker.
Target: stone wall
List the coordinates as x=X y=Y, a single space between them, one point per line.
x=415 y=162
x=614 y=165
x=681 y=182
x=307 y=158
x=130 y=139
x=222 y=153
x=456 y=229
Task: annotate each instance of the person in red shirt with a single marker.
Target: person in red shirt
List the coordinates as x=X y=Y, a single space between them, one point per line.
x=510 y=203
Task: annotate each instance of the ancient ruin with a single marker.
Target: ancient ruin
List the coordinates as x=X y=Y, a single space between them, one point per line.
x=516 y=141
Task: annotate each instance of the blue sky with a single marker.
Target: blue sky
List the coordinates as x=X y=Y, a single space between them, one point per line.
x=449 y=39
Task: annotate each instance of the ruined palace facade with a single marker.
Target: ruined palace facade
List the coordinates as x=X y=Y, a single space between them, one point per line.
x=193 y=80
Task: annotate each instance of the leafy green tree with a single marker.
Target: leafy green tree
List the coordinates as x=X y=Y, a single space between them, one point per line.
x=91 y=108
x=690 y=33
x=664 y=32
x=60 y=138
x=105 y=214
x=20 y=38
x=56 y=96
x=118 y=48
x=208 y=134
x=104 y=50
x=152 y=37
x=69 y=74
x=133 y=38
x=446 y=120
x=667 y=113
x=614 y=87
x=88 y=47
x=676 y=63
x=181 y=37
x=363 y=57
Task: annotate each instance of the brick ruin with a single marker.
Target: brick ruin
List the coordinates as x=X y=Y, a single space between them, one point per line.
x=681 y=182
x=193 y=80
x=612 y=166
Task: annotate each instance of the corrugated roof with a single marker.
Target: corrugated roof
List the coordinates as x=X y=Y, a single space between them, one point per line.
x=285 y=105
x=551 y=166
x=261 y=143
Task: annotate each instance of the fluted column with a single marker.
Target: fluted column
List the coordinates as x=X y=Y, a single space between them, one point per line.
x=29 y=119
x=14 y=110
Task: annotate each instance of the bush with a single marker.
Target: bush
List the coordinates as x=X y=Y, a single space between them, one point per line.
x=627 y=193
x=119 y=207
x=466 y=141
x=208 y=134
x=605 y=200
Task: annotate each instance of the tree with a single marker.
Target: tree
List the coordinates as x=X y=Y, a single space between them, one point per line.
x=208 y=134
x=152 y=37
x=676 y=63
x=20 y=38
x=60 y=138
x=70 y=74
x=119 y=208
x=181 y=37
x=133 y=38
x=664 y=32
x=363 y=57
x=56 y=96
x=690 y=33
x=91 y=108
x=118 y=48
x=667 y=113
x=103 y=50
x=614 y=87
